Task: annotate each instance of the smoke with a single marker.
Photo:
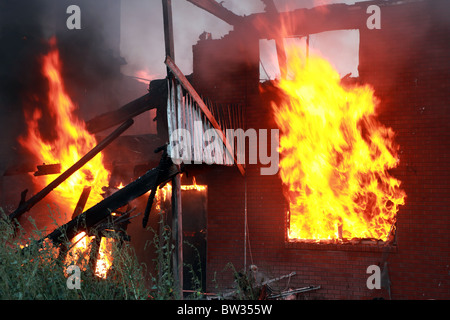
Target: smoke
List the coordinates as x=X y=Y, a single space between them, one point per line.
x=90 y=57
x=21 y=44
x=142 y=36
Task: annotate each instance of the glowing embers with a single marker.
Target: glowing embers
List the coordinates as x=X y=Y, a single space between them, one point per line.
x=335 y=156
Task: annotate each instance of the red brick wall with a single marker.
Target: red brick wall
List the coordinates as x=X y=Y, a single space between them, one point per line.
x=407 y=63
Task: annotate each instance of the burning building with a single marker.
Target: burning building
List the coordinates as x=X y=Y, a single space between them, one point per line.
x=361 y=175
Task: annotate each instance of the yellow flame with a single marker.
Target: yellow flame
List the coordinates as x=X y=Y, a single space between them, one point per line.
x=72 y=141
x=335 y=155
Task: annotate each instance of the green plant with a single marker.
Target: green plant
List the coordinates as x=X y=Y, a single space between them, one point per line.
x=195 y=274
x=163 y=282
x=246 y=288
x=29 y=271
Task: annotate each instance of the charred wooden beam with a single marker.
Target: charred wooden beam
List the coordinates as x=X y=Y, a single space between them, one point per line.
x=168 y=28
x=154 y=99
x=81 y=202
x=151 y=197
x=218 y=10
x=27 y=205
x=177 y=233
x=301 y=22
x=47 y=169
x=103 y=209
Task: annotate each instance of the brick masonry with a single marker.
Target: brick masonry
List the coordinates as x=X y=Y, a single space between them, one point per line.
x=407 y=62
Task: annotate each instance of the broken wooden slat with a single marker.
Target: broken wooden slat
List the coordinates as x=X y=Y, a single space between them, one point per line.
x=151 y=197
x=81 y=202
x=186 y=84
x=27 y=205
x=301 y=22
x=168 y=28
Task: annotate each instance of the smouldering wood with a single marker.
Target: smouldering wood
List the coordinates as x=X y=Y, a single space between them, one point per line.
x=128 y=111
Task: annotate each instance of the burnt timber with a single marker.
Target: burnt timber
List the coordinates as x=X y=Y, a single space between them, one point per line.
x=122 y=197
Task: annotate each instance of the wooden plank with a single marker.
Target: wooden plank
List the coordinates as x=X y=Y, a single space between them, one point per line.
x=218 y=10
x=124 y=113
x=173 y=108
x=186 y=84
x=177 y=234
x=301 y=22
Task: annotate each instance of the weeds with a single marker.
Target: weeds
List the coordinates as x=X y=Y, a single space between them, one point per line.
x=246 y=288
x=29 y=271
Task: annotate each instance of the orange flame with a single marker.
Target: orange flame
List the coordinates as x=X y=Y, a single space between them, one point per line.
x=105 y=260
x=335 y=155
x=193 y=186
x=72 y=142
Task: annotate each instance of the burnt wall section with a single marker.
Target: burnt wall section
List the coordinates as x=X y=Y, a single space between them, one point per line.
x=407 y=63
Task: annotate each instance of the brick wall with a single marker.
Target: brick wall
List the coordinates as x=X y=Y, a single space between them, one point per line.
x=407 y=63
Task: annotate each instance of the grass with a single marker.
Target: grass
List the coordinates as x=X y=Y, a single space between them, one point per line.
x=36 y=272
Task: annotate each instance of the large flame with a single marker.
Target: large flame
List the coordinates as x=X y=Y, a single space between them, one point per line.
x=335 y=155
x=71 y=142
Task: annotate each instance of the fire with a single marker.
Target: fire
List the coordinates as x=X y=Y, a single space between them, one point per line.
x=193 y=186
x=71 y=142
x=104 y=261
x=335 y=155
x=165 y=193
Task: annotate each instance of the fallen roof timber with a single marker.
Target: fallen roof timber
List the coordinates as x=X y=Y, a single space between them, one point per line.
x=103 y=209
